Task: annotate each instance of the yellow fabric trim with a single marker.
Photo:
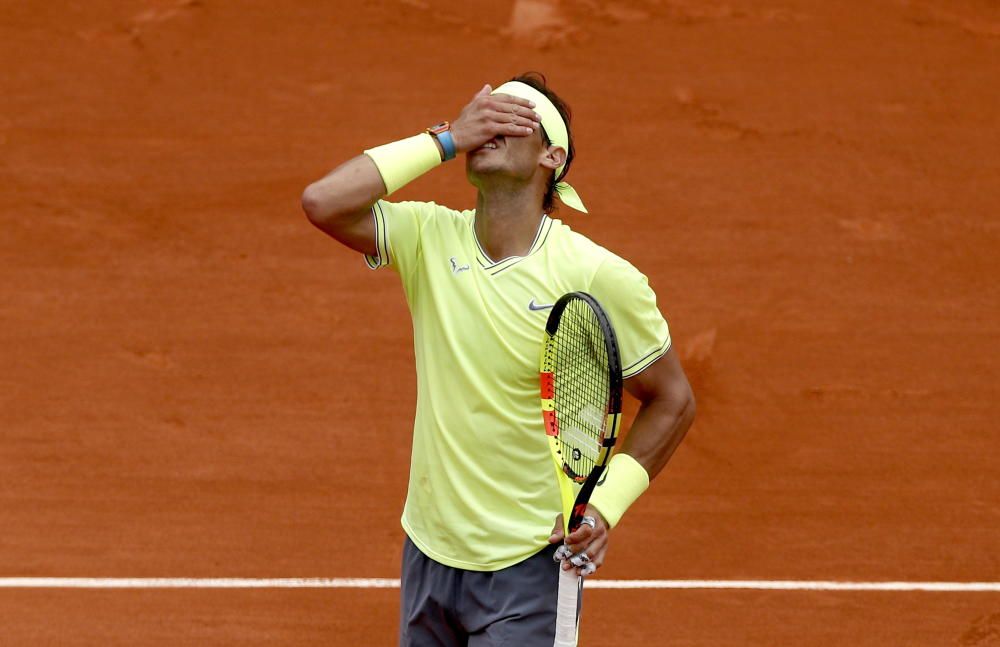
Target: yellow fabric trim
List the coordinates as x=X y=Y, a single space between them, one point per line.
x=625 y=482
x=403 y=161
x=569 y=196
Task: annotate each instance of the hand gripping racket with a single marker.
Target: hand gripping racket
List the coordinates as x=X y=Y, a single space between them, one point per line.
x=581 y=389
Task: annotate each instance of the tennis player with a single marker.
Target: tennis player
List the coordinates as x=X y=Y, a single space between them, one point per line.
x=482 y=509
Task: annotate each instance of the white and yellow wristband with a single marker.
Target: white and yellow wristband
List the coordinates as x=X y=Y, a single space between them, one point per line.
x=626 y=480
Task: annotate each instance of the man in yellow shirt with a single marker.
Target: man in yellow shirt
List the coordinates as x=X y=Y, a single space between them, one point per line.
x=482 y=500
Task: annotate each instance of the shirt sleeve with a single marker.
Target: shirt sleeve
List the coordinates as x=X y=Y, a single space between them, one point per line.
x=624 y=292
x=398 y=228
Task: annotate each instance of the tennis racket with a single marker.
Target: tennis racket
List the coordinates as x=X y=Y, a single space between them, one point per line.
x=581 y=393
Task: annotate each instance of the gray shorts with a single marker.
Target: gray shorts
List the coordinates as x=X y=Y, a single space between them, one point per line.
x=443 y=606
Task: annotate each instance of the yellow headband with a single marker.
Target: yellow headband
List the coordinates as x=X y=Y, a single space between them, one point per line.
x=554 y=127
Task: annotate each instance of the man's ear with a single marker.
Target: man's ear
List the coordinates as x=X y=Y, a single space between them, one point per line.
x=554 y=157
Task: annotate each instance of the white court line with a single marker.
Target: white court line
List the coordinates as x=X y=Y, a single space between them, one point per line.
x=386 y=583
x=796 y=585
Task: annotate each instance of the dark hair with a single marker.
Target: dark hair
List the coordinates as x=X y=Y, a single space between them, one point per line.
x=537 y=81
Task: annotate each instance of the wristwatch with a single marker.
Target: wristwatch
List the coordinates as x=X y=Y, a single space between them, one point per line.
x=442 y=133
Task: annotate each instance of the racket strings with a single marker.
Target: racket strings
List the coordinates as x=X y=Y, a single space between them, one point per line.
x=582 y=386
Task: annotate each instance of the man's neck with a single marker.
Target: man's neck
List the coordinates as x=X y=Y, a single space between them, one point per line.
x=507 y=222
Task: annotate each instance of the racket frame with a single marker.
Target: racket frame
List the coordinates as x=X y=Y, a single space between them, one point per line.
x=574 y=508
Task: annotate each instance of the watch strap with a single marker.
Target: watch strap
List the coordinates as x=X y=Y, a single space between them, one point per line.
x=448 y=144
x=442 y=132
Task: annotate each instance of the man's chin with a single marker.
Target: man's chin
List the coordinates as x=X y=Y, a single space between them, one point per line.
x=476 y=166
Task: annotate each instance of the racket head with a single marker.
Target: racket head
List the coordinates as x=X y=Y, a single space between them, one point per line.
x=581 y=396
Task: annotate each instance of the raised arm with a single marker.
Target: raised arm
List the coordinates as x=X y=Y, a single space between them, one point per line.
x=340 y=203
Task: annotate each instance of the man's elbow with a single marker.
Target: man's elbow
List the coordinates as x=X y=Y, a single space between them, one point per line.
x=682 y=404
x=690 y=407
x=314 y=206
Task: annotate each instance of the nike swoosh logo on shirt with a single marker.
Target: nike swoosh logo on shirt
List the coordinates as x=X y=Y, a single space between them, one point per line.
x=539 y=306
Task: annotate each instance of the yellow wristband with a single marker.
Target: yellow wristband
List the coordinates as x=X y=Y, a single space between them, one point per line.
x=404 y=161
x=626 y=480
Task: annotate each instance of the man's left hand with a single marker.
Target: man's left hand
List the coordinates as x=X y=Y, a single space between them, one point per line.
x=587 y=545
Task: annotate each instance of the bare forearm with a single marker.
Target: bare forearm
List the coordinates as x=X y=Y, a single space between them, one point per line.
x=658 y=429
x=352 y=187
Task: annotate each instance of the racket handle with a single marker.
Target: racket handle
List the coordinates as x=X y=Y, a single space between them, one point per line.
x=567 y=618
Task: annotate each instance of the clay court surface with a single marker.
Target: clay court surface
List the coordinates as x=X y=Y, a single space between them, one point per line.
x=196 y=383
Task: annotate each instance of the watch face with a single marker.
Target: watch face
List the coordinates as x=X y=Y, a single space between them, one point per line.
x=439 y=128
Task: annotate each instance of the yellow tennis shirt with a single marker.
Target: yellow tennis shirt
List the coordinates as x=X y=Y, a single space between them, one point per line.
x=482 y=492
